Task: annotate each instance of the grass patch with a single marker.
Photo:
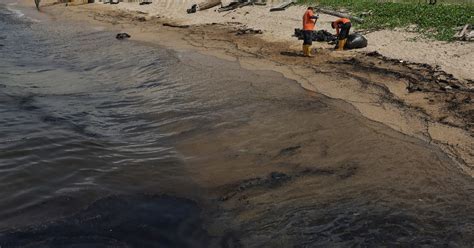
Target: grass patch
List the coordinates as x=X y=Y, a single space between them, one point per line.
x=434 y=21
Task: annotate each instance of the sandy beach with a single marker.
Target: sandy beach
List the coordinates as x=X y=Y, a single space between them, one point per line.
x=407 y=93
x=193 y=133
x=279 y=26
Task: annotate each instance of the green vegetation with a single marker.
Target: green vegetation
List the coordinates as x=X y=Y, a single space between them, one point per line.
x=436 y=21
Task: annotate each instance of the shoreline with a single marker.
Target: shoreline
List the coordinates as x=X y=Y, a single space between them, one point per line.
x=374 y=85
x=196 y=136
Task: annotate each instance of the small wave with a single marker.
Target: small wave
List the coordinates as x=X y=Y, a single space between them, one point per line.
x=17 y=12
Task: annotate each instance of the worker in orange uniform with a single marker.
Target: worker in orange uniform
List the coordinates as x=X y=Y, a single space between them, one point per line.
x=309 y=21
x=342 y=26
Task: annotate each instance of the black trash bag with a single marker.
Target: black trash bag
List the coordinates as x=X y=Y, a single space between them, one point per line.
x=122 y=36
x=298 y=33
x=319 y=35
x=355 y=41
x=323 y=35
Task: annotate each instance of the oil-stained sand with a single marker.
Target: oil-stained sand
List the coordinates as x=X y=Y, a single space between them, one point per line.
x=272 y=165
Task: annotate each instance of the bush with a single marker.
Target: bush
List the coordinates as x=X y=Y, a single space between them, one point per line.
x=436 y=21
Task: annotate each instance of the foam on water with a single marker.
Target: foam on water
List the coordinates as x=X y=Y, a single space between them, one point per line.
x=19 y=13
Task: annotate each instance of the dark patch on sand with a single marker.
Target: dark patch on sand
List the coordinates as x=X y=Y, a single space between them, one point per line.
x=451 y=94
x=277 y=179
x=289 y=150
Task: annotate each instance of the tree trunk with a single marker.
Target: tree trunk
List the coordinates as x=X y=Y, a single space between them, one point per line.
x=339 y=14
x=208 y=4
